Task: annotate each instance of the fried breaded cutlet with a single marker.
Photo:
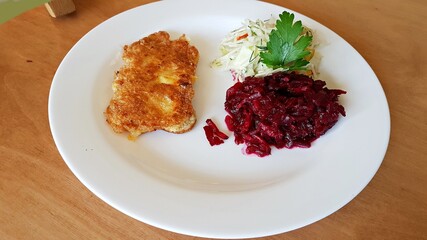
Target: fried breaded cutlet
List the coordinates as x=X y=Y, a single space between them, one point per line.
x=153 y=90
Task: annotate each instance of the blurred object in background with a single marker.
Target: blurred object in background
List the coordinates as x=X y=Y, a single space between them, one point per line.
x=12 y=8
x=57 y=8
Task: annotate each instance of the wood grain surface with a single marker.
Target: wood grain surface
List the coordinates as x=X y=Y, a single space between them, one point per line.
x=40 y=198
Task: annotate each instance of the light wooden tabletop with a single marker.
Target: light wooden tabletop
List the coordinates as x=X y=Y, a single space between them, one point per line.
x=40 y=198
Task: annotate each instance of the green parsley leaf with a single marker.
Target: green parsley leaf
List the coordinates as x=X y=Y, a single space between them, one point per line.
x=287 y=47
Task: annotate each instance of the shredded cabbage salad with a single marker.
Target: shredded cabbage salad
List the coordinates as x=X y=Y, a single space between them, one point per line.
x=240 y=50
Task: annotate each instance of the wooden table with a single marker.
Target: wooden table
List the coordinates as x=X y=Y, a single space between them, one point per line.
x=40 y=198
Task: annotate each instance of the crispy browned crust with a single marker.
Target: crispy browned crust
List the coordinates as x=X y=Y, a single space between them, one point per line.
x=154 y=88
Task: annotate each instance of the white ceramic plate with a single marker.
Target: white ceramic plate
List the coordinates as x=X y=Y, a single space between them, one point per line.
x=181 y=183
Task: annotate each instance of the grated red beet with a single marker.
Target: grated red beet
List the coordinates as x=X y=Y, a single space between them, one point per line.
x=284 y=110
x=213 y=134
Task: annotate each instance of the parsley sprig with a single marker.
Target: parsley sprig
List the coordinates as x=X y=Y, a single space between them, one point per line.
x=287 y=45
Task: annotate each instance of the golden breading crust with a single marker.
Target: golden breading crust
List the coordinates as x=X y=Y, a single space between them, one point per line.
x=154 y=88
